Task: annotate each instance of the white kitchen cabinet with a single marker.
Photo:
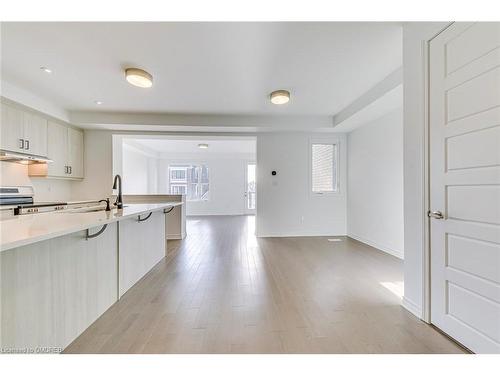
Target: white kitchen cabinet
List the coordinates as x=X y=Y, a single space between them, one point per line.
x=75 y=153
x=35 y=134
x=23 y=131
x=142 y=245
x=51 y=291
x=57 y=149
x=65 y=149
x=12 y=129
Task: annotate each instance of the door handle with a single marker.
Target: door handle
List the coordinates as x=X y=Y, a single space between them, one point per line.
x=435 y=215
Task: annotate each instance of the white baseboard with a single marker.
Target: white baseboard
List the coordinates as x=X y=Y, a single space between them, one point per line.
x=176 y=236
x=411 y=307
x=397 y=253
x=270 y=235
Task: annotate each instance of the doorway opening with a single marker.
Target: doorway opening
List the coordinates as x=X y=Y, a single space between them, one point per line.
x=215 y=174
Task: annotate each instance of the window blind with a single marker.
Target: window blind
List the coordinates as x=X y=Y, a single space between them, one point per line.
x=324 y=174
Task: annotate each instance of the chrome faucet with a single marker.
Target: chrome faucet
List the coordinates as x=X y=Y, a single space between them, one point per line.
x=119 y=199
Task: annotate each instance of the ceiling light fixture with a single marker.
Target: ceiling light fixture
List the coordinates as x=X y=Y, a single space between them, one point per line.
x=98 y=102
x=203 y=145
x=46 y=70
x=280 y=97
x=139 y=77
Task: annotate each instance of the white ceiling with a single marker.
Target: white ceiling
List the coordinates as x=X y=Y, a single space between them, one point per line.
x=190 y=145
x=201 y=68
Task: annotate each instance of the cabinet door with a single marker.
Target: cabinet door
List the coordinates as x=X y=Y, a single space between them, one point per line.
x=11 y=129
x=57 y=149
x=75 y=152
x=142 y=246
x=35 y=134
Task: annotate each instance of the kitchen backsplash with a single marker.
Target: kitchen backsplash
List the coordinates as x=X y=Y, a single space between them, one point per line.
x=14 y=174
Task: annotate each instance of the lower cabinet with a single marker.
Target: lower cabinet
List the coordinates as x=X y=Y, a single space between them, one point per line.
x=52 y=290
x=142 y=245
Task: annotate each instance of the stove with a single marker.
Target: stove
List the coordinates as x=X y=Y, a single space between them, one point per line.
x=16 y=195
x=21 y=199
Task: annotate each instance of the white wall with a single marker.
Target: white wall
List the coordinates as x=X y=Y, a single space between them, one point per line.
x=415 y=37
x=139 y=172
x=375 y=183
x=285 y=206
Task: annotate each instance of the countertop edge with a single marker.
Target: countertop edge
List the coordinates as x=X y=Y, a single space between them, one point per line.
x=78 y=228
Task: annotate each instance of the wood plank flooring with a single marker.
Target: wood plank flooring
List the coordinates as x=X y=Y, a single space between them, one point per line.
x=221 y=290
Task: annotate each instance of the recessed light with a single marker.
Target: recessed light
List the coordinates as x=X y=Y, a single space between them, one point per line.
x=280 y=97
x=98 y=102
x=138 y=77
x=46 y=70
x=203 y=145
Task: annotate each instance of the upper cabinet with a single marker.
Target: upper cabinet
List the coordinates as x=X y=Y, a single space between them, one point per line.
x=65 y=149
x=28 y=132
x=75 y=153
x=23 y=131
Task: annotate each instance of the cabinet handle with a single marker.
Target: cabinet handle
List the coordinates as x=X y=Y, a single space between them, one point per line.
x=147 y=217
x=70 y=170
x=96 y=234
x=21 y=144
x=26 y=145
x=66 y=169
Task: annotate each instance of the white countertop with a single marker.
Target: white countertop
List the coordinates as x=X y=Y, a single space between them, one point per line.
x=27 y=229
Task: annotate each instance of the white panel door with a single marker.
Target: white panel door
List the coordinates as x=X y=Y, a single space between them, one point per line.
x=464 y=110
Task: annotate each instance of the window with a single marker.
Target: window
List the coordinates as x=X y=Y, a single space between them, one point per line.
x=190 y=180
x=324 y=168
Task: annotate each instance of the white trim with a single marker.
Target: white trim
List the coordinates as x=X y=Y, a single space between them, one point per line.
x=295 y=234
x=176 y=236
x=329 y=140
x=394 y=252
x=411 y=307
x=425 y=314
x=426 y=277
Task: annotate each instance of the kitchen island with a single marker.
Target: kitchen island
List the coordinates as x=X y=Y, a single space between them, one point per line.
x=60 y=271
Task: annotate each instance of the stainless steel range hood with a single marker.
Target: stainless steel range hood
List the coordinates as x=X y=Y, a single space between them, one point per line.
x=18 y=157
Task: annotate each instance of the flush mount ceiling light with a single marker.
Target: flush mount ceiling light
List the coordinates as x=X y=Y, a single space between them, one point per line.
x=203 y=145
x=46 y=70
x=138 y=77
x=280 y=97
x=98 y=102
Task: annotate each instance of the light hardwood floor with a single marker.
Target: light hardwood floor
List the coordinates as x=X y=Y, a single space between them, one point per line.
x=221 y=290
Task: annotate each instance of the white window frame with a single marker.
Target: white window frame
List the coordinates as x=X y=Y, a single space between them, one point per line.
x=325 y=141
x=184 y=163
